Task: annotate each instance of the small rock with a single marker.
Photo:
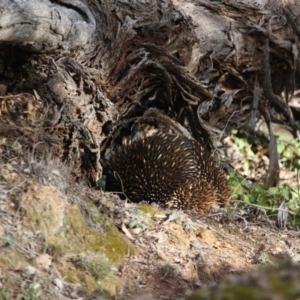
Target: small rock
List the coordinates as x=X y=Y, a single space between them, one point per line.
x=206 y=235
x=28 y=271
x=136 y=230
x=59 y=284
x=44 y=261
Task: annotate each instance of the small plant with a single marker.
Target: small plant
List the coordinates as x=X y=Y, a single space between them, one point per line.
x=264 y=258
x=134 y=210
x=289 y=151
x=266 y=197
x=96 y=264
x=29 y=293
x=137 y=224
x=240 y=187
x=188 y=226
x=56 y=251
x=101 y=183
x=5 y=294
x=289 y=154
x=168 y=270
x=8 y=241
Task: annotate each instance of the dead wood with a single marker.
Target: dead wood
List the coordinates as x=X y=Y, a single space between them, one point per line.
x=109 y=68
x=45 y=25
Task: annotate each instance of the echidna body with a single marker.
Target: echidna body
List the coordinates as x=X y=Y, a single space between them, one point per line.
x=169 y=169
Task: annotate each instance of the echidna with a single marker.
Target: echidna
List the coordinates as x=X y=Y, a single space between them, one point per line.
x=169 y=169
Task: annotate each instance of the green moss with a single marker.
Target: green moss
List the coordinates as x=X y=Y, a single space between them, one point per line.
x=56 y=250
x=5 y=293
x=229 y=293
x=148 y=209
x=77 y=238
x=88 y=282
x=96 y=264
x=70 y=276
x=291 y=287
x=265 y=284
x=84 y=238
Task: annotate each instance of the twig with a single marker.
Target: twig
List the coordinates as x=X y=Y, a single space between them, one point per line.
x=116 y=174
x=266 y=207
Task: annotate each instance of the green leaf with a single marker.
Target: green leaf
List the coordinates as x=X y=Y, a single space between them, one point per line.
x=286 y=194
x=280 y=147
x=288 y=153
x=294 y=206
x=241 y=142
x=294 y=142
x=273 y=191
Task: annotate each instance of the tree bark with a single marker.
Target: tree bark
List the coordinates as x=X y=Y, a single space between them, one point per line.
x=38 y=26
x=101 y=69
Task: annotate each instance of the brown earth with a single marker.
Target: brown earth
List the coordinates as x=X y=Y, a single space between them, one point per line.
x=48 y=223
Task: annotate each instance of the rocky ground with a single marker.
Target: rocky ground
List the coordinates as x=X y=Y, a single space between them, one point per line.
x=64 y=240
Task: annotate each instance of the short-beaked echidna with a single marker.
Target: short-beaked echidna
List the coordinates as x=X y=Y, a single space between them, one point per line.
x=169 y=169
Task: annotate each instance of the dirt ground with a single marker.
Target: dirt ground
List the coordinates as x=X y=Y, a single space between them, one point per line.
x=177 y=252
x=180 y=251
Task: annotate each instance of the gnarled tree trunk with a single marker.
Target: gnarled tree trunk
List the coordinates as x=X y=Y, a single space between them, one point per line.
x=77 y=76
